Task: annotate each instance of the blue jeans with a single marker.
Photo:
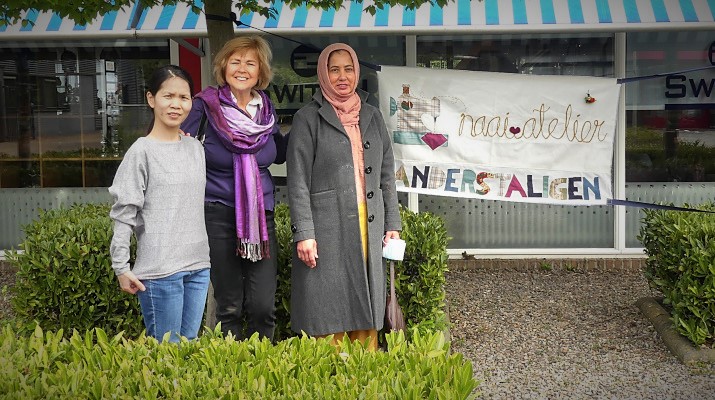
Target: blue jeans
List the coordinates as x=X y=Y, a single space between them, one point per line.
x=175 y=304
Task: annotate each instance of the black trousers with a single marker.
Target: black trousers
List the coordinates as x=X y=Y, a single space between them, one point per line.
x=242 y=288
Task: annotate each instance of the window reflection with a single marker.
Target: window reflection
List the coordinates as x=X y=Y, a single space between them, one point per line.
x=69 y=112
x=544 y=54
x=670 y=134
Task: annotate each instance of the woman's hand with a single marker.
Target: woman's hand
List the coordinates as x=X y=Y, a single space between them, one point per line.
x=129 y=283
x=308 y=252
x=390 y=235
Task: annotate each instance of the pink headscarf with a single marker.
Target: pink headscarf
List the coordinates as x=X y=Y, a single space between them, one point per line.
x=348 y=110
x=347 y=107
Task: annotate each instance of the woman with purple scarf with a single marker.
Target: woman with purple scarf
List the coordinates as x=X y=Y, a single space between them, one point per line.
x=241 y=140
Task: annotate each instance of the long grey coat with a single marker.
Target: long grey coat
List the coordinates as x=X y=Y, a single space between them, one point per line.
x=341 y=293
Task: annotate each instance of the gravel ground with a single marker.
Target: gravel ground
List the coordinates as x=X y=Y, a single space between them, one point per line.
x=533 y=333
x=7 y=279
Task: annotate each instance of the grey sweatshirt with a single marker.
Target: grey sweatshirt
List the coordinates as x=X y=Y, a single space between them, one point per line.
x=159 y=196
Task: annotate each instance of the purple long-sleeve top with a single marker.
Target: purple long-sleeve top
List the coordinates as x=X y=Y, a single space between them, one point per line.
x=219 y=161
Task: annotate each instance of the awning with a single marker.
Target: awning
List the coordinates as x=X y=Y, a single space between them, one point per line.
x=160 y=21
x=460 y=16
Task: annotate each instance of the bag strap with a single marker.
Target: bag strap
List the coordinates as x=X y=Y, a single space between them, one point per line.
x=201 y=134
x=392 y=280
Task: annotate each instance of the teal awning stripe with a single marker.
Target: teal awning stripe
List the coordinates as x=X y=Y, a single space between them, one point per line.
x=688 y=11
x=604 y=11
x=464 y=12
x=382 y=16
x=711 y=3
x=575 y=12
x=408 y=17
x=192 y=19
x=520 y=16
x=246 y=19
x=272 y=22
x=491 y=8
x=355 y=14
x=326 y=18
x=631 y=9
x=167 y=13
x=108 y=22
x=659 y=11
x=547 y=12
x=436 y=15
x=56 y=22
x=301 y=14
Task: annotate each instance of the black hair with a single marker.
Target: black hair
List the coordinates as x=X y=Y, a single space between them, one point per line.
x=161 y=75
x=165 y=73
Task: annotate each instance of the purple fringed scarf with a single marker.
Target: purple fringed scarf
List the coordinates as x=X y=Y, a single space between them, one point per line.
x=243 y=137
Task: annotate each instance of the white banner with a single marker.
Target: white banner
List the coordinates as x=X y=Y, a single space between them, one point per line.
x=498 y=136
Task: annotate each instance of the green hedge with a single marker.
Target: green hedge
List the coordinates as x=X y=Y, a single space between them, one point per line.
x=681 y=265
x=421 y=276
x=98 y=366
x=285 y=262
x=65 y=280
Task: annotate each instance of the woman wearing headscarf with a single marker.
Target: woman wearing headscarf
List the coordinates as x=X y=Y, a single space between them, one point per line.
x=343 y=201
x=241 y=140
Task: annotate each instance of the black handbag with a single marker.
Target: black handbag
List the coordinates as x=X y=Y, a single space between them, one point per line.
x=394 y=319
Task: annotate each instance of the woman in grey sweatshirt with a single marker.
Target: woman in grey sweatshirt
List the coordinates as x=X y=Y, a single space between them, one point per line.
x=158 y=193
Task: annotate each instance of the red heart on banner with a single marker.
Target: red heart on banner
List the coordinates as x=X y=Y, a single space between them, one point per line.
x=434 y=140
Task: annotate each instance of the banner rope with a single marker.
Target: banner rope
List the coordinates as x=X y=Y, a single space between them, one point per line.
x=638 y=204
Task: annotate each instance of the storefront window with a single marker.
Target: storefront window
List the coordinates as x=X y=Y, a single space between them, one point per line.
x=670 y=121
x=670 y=134
x=567 y=54
x=68 y=113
